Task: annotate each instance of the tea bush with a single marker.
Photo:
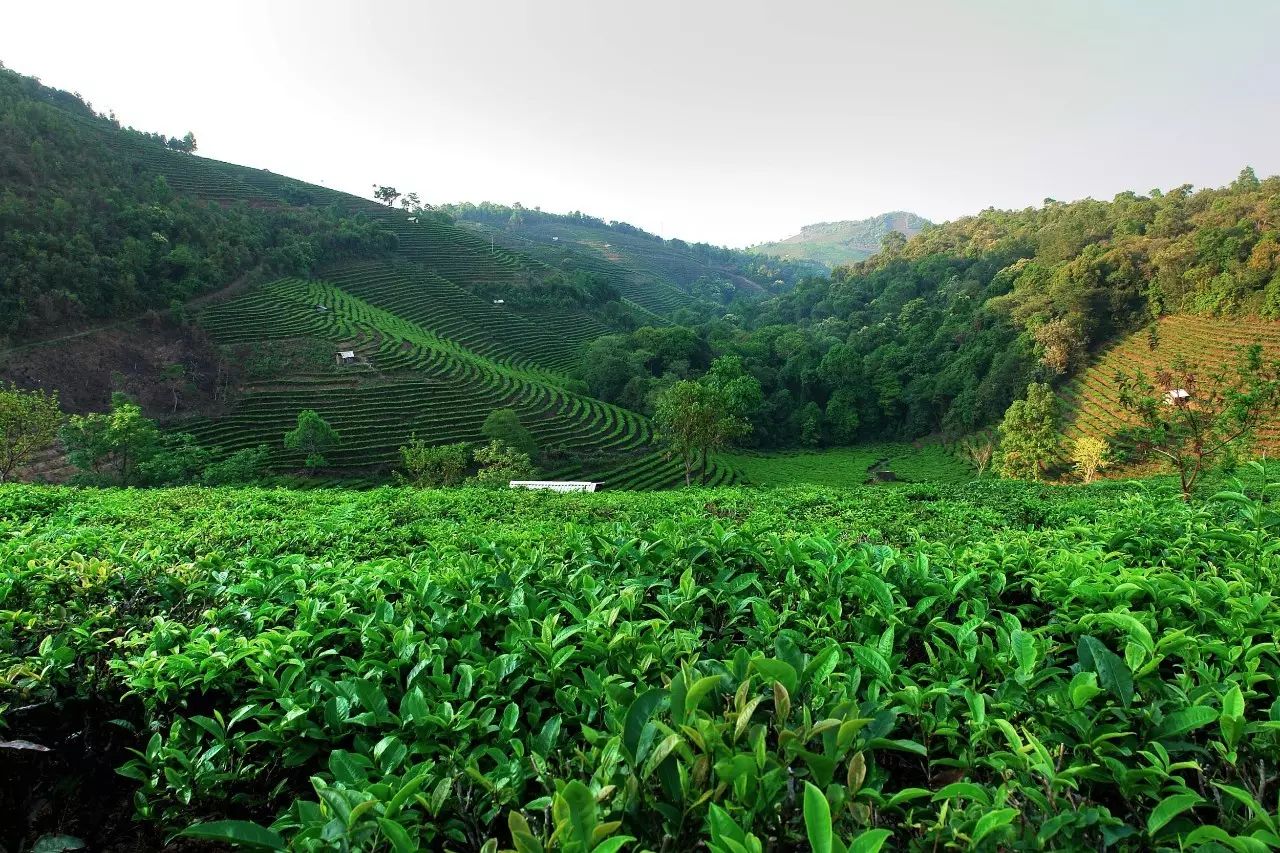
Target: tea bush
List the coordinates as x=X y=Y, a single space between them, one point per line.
x=1047 y=668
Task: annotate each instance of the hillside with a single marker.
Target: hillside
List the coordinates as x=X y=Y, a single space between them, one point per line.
x=254 y=281
x=1091 y=404
x=835 y=243
x=661 y=275
x=940 y=334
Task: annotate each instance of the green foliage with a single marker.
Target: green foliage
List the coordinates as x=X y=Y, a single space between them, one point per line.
x=111 y=446
x=312 y=437
x=29 y=422
x=500 y=463
x=1029 y=434
x=173 y=459
x=432 y=466
x=942 y=333
x=406 y=669
x=504 y=425
x=243 y=466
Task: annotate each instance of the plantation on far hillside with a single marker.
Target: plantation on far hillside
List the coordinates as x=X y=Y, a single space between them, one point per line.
x=1093 y=398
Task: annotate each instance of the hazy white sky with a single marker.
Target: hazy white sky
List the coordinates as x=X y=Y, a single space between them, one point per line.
x=732 y=122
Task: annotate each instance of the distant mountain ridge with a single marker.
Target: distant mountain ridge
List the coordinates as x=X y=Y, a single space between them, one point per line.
x=835 y=243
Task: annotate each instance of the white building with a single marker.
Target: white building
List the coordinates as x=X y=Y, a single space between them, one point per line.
x=555 y=485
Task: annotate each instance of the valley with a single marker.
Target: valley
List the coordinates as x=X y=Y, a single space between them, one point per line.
x=341 y=521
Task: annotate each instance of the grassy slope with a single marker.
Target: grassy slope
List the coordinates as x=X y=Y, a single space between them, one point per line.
x=849 y=466
x=1091 y=398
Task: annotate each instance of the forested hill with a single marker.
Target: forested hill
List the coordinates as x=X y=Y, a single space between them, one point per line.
x=836 y=243
x=659 y=273
x=101 y=222
x=942 y=332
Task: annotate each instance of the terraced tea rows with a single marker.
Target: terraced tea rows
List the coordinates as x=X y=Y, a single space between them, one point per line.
x=453 y=312
x=1092 y=401
x=656 y=471
x=406 y=380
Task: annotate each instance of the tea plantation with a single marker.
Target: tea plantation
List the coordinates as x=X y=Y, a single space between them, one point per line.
x=995 y=666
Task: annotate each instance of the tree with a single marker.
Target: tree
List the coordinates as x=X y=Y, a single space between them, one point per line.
x=433 y=466
x=1089 y=455
x=980 y=450
x=500 y=464
x=29 y=421
x=841 y=416
x=1029 y=434
x=410 y=201
x=243 y=466
x=312 y=436
x=174 y=459
x=695 y=419
x=174 y=377
x=810 y=420
x=187 y=144
x=1193 y=423
x=113 y=443
x=386 y=195
x=1061 y=344
x=504 y=425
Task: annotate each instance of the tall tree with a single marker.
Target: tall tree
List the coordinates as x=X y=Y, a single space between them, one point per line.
x=312 y=436
x=29 y=421
x=1029 y=434
x=1089 y=455
x=500 y=463
x=695 y=419
x=114 y=443
x=386 y=195
x=1193 y=420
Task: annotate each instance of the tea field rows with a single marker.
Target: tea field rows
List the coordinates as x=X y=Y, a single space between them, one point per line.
x=407 y=380
x=1092 y=400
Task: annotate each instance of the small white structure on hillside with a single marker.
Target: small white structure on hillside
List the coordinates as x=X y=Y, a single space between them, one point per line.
x=346 y=356
x=1178 y=397
x=555 y=485
x=499 y=302
x=320 y=309
x=413 y=219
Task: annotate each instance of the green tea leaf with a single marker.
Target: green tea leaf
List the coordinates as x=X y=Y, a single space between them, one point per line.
x=240 y=832
x=991 y=821
x=1113 y=672
x=817 y=819
x=1169 y=808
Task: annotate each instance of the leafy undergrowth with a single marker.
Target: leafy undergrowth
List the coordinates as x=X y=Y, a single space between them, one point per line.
x=1047 y=669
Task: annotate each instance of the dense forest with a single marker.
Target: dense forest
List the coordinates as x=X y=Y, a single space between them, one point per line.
x=941 y=333
x=89 y=232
